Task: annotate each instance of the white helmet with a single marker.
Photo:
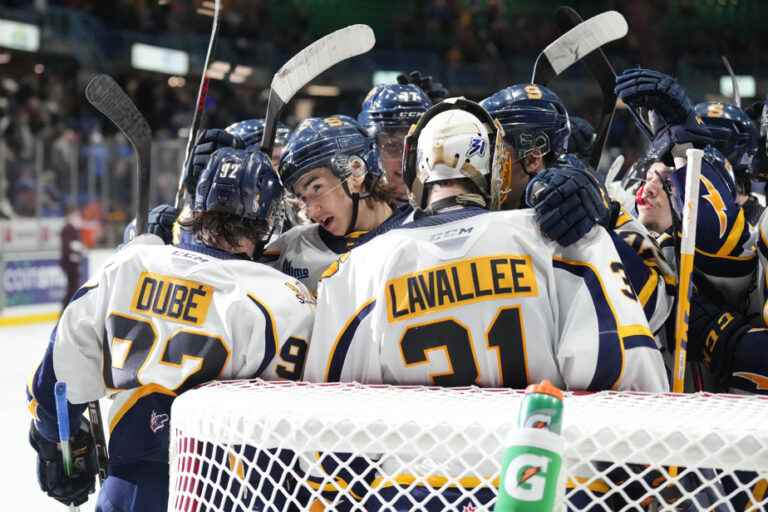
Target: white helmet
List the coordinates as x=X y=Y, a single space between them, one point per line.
x=454 y=139
x=454 y=144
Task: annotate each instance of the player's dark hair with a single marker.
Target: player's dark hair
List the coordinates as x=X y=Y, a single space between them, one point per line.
x=213 y=228
x=381 y=190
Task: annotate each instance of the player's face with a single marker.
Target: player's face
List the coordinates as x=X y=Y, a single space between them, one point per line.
x=324 y=201
x=390 y=145
x=514 y=179
x=653 y=205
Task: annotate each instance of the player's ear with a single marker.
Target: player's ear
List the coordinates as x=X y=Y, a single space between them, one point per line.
x=356 y=180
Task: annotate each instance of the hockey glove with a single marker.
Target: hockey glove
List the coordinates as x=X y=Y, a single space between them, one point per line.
x=582 y=137
x=160 y=222
x=207 y=142
x=435 y=90
x=672 y=140
x=713 y=335
x=650 y=90
x=568 y=203
x=50 y=467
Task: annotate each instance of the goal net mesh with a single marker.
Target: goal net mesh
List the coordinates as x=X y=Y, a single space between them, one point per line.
x=275 y=446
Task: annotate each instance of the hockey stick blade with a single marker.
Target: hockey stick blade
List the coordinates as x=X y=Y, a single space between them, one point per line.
x=582 y=40
x=602 y=70
x=303 y=67
x=109 y=98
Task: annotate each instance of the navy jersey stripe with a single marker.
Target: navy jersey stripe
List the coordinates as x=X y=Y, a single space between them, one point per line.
x=609 y=354
x=270 y=337
x=631 y=342
x=343 y=343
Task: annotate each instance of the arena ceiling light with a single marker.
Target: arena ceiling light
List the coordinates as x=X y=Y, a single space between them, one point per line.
x=19 y=36
x=745 y=83
x=159 y=59
x=323 y=90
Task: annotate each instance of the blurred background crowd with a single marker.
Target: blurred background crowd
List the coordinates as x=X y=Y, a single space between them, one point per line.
x=58 y=154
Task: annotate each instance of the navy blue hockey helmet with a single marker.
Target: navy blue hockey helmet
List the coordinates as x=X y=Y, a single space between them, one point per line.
x=393 y=106
x=251 y=130
x=242 y=183
x=734 y=133
x=337 y=142
x=533 y=117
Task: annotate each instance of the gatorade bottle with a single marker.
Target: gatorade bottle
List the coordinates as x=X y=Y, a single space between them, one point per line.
x=532 y=474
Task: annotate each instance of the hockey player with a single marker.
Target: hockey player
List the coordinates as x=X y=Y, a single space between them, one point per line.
x=536 y=131
x=332 y=167
x=455 y=297
x=387 y=113
x=725 y=252
x=568 y=199
x=161 y=319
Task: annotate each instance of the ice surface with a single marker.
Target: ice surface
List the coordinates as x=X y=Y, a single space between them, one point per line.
x=23 y=348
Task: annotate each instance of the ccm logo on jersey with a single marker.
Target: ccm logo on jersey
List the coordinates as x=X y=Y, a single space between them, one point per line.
x=172 y=299
x=461 y=282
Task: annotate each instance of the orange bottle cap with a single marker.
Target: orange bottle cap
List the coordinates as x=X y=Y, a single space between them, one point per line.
x=545 y=387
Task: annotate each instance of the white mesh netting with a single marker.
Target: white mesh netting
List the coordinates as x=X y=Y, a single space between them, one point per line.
x=255 y=445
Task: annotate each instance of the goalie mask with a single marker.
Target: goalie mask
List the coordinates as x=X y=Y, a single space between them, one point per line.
x=455 y=139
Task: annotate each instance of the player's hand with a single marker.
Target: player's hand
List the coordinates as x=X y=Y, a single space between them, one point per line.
x=648 y=89
x=672 y=140
x=713 y=334
x=50 y=467
x=160 y=221
x=208 y=141
x=435 y=90
x=568 y=203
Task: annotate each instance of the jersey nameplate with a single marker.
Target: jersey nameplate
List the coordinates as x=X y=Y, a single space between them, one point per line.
x=172 y=299
x=460 y=282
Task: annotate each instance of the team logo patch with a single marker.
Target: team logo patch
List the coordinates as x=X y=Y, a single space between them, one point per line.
x=715 y=110
x=476 y=147
x=533 y=92
x=158 y=422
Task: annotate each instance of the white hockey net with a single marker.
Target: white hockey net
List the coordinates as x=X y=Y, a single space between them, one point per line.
x=255 y=445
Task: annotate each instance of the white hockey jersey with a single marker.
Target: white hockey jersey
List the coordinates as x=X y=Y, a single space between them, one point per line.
x=472 y=297
x=158 y=320
x=304 y=252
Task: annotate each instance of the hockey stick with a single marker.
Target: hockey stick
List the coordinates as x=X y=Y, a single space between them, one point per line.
x=687 y=250
x=306 y=65
x=734 y=83
x=602 y=70
x=202 y=95
x=62 y=418
x=108 y=98
x=581 y=40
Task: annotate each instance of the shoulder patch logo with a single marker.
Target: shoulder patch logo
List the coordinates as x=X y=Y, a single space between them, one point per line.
x=158 y=422
x=302 y=294
x=333 y=268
